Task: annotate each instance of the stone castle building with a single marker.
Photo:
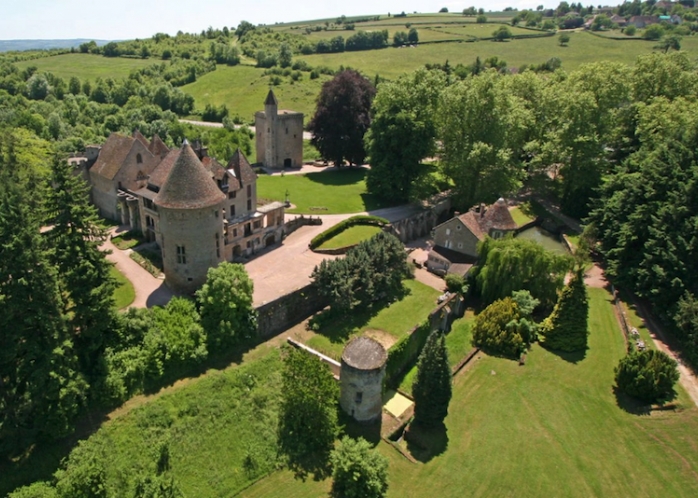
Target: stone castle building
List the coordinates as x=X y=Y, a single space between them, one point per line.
x=199 y=212
x=278 y=136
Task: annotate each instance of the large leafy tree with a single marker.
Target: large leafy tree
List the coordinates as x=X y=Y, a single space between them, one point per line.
x=566 y=329
x=482 y=129
x=514 y=264
x=342 y=117
x=432 y=388
x=403 y=132
x=358 y=471
x=85 y=280
x=647 y=375
x=308 y=416
x=225 y=304
x=41 y=388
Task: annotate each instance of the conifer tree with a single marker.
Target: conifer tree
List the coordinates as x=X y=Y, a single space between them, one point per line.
x=85 y=280
x=40 y=389
x=566 y=328
x=432 y=388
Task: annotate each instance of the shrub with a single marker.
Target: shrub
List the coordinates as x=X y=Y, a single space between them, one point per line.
x=566 y=327
x=630 y=30
x=358 y=471
x=648 y=376
x=481 y=19
x=456 y=284
x=497 y=331
x=432 y=388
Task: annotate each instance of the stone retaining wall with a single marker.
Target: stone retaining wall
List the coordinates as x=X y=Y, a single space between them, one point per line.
x=282 y=313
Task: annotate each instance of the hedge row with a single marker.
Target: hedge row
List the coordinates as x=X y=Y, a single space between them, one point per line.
x=319 y=239
x=403 y=354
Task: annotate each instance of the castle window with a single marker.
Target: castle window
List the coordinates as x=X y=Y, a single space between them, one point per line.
x=249 y=204
x=218 y=245
x=286 y=131
x=232 y=210
x=457 y=227
x=358 y=398
x=257 y=224
x=235 y=232
x=215 y=213
x=231 y=195
x=139 y=158
x=181 y=255
x=249 y=191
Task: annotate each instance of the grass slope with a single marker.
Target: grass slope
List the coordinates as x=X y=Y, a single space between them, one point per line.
x=124 y=294
x=550 y=428
x=396 y=320
x=87 y=66
x=243 y=90
x=330 y=192
x=583 y=48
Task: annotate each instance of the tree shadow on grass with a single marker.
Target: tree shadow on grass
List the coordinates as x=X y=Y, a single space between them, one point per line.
x=635 y=406
x=371 y=432
x=569 y=356
x=424 y=443
x=315 y=465
x=338 y=178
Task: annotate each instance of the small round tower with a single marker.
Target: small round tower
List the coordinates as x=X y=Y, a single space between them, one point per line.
x=361 y=379
x=191 y=225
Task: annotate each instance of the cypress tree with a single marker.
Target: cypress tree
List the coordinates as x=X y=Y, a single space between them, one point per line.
x=432 y=387
x=85 y=280
x=566 y=328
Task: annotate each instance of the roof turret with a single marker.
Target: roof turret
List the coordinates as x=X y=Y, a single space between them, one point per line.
x=271 y=99
x=189 y=185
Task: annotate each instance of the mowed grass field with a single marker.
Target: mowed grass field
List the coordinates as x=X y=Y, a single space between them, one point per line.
x=351 y=236
x=124 y=294
x=550 y=428
x=243 y=90
x=328 y=192
x=87 y=66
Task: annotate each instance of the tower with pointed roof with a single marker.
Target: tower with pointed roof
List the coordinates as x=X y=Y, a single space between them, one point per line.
x=189 y=205
x=279 y=135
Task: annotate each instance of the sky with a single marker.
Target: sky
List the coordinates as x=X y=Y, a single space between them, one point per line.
x=129 y=19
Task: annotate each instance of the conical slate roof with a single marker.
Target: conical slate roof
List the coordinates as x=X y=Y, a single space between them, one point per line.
x=241 y=166
x=498 y=217
x=271 y=98
x=189 y=185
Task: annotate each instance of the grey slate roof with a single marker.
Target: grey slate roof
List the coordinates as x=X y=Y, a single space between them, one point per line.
x=189 y=185
x=364 y=353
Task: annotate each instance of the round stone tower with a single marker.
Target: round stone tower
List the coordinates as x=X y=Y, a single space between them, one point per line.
x=361 y=379
x=191 y=224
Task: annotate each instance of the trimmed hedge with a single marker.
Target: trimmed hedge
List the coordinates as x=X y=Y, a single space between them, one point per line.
x=403 y=354
x=343 y=225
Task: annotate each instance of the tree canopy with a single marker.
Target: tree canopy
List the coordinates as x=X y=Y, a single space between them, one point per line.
x=566 y=329
x=647 y=375
x=342 y=117
x=358 y=471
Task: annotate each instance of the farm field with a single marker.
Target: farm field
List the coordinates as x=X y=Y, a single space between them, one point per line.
x=329 y=192
x=550 y=428
x=87 y=66
x=391 y=322
x=583 y=48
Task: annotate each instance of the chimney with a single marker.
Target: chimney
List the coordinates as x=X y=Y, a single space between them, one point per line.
x=482 y=210
x=456 y=214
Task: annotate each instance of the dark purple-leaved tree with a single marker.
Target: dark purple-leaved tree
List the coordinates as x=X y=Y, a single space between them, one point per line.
x=342 y=117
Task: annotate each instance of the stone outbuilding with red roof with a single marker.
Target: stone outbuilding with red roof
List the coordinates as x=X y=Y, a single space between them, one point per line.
x=455 y=241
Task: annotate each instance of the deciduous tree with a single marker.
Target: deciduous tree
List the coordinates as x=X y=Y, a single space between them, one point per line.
x=403 y=132
x=496 y=329
x=358 y=471
x=342 y=117
x=225 y=304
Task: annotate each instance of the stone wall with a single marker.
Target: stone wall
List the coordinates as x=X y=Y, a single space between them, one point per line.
x=300 y=221
x=282 y=313
x=420 y=224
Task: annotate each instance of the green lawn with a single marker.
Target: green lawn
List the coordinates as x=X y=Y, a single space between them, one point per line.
x=550 y=428
x=520 y=217
x=124 y=293
x=128 y=240
x=244 y=88
x=396 y=320
x=87 y=66
x=331 y=192
x=457 y=343
x=351 y=236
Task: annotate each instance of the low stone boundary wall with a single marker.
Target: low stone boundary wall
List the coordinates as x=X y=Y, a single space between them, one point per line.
x=335 y=366
x=278 y=315
x=300 y=221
